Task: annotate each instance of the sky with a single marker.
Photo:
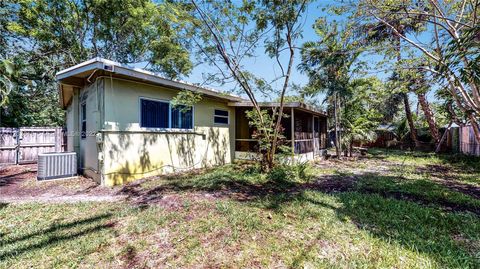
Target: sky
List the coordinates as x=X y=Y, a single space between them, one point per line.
x=264 y=67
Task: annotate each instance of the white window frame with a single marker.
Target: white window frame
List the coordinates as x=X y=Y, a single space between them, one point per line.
x=169 y=128
x=227 y=117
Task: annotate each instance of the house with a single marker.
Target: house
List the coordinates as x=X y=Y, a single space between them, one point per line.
x=122 y=126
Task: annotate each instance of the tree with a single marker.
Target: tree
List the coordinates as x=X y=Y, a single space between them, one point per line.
x=379 y=33
x=126 y=31
x=452 y=54
x=4 y=19
x=329 y=66
x=227 y=34
x=362 y=112
x=6 y=72
x=43 y=37
x=419 y=85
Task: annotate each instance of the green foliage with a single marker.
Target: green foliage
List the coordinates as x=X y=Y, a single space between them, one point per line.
x=227 y=34
x=443 y=34
x=328 y=62
x=330 y=65
x=298 y=172
x=186 y=99
x=467 y=47
x=264 y=130
x=43 y=37
x=7 y=71
x=125 y=31
x=33 y=100
x=362 y=110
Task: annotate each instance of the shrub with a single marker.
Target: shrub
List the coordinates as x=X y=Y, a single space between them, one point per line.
x=298 y=172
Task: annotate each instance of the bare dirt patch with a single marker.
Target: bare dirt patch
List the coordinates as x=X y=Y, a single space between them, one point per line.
x=18 y=184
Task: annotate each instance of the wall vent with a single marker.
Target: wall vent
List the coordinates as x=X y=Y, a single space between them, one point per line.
x=53 y=165
x=109 y=67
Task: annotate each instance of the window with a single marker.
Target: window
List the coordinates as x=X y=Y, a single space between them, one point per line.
x=182 y=117
x=84 y=120
x=159 y=114
x=220 y=116
x=154 y=114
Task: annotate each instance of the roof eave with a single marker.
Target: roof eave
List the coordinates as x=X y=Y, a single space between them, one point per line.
x=298 y=105
x=143 y=75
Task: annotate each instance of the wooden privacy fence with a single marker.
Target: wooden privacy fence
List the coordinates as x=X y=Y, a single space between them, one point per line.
x=22 y=145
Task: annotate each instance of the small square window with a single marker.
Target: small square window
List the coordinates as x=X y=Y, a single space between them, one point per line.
x=220 y=116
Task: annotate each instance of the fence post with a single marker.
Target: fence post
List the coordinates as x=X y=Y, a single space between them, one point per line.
x=56 y=140
x=17 y=145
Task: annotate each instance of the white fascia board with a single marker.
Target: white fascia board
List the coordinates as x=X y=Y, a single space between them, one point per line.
x=99 y=63
x=77 y=69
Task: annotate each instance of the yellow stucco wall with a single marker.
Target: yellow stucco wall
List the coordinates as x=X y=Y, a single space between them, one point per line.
x=131 y=152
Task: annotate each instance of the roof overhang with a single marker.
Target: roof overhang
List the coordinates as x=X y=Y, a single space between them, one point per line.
x=297 y=105
x=80 y=74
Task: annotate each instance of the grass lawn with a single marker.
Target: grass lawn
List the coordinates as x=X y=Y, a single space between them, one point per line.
x=390 y=210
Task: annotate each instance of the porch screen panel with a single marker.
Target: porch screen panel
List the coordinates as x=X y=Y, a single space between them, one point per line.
x=154 y=114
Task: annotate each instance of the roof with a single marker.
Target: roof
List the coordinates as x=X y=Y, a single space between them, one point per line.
x=81 y=74
x=297 y=105
x=78 y=75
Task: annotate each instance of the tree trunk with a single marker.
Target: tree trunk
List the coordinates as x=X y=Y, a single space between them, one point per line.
x=337 y=148
x=453 y=115
x=351 y=148
x=339 y=121
x=411 y=125
x=439 y=145
x=476 y=128
x=432 y=125
x=408 y=111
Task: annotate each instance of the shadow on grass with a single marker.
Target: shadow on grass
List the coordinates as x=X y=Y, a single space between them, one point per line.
x=456 y=162
x=244 y=185
x=2 y=206
x=420 y=215
x=54 y=234
x=450 y=239
x=428 y=224
x=12 y=179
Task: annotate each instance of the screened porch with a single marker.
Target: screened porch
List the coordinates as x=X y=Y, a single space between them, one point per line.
x=304 y=129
